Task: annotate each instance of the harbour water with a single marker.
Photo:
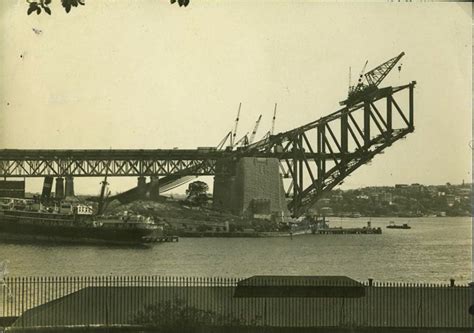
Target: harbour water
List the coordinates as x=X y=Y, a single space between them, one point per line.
x=434 y=250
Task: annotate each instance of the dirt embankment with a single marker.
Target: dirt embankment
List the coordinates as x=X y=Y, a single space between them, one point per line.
x=178 y=215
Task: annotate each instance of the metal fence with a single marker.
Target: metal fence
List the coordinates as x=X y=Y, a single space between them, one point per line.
x=157 y=300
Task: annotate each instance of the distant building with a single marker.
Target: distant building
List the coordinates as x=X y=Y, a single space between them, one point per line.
x=464 y=191
x=416 y=187
x=322 y=203
x=325 y=211
x=386 y=197
x=450 y=200
x=336 y=197
x=12 y=188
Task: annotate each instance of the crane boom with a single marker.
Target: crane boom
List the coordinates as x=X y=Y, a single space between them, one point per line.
x=243 y=141
x=376 y=75
x=273 y=120
x=254 y=132
x=361 y=75
x=232 y=141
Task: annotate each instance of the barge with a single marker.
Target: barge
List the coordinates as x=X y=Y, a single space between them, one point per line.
x=392 y=225
x=315 y=225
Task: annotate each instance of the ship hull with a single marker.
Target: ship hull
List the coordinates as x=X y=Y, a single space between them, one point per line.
x=67 y=231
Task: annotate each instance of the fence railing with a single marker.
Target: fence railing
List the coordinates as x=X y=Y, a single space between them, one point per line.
x=161 y=301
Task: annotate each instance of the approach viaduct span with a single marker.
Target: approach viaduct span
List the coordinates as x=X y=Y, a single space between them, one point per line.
x=122 y=162
x=316 y=156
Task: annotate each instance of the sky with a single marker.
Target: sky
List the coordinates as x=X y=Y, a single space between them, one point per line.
x=147 y=74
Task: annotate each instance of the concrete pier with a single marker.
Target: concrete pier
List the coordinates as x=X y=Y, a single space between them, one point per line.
x=154 y=188
x=59 y=193
x=47 y=187
x=69 y=189
x=250 y=186
x=141 y=187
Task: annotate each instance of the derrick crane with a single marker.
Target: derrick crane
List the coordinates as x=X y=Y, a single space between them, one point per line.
x=376 y=75
x=246 y=140
x=273 y=120
x=350 y=80
x=231 y=135
x=232 y=141
x=372 y=80
x=270 y=132
x=255 y=129
x=361 y=75
x=243 y=141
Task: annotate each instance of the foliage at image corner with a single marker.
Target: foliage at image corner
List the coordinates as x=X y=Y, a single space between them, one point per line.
x=38 y=6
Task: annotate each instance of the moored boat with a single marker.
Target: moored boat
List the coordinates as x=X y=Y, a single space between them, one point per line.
x=392 y=225
x=22 y=219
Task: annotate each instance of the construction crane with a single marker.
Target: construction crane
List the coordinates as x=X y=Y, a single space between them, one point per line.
x=246 y=140
x=372 y=80
x=255 y=129
x=270 y=132
x=273 y=120
x=234 y=133
x=243 y=141
x=376 y=75
x=350 y=80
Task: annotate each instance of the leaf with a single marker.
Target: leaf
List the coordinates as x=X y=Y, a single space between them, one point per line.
x=47 y=10
x=172 y=1
x=38 y=11
x=183 y=3
x=32 y=8
x=67 y=5
x=47 y=2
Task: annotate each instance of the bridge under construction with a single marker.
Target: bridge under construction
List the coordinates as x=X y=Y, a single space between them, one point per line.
x=314 y=158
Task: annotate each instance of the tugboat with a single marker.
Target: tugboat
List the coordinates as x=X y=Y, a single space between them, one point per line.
x=392 y=225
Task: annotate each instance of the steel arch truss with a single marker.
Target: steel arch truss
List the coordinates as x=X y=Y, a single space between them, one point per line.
x=318 y=156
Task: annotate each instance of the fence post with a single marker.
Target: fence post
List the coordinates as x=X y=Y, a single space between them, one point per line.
x=370 y=282
x=471 y=307
x=452 y=282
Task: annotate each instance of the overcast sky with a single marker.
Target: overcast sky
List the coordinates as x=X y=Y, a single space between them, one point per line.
x=147 y=74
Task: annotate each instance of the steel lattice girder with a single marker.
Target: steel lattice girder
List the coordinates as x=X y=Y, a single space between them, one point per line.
x=348 y=141
x=102 y=167
x=93 y=163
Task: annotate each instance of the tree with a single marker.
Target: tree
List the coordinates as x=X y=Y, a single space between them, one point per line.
x=197 y=192
x=178 y=316
x=39 y=6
